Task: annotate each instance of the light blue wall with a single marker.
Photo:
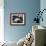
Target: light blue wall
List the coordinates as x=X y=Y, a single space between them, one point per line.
x=29 y=7
x=43 y=6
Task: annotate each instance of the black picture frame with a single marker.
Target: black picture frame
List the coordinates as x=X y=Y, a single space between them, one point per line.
x=17 y=19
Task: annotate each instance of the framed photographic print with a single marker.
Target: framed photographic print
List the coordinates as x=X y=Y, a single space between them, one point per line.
x=17 y=19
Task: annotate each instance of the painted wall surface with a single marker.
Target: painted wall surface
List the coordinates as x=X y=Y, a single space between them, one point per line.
x=43 y=6
x=29 y=7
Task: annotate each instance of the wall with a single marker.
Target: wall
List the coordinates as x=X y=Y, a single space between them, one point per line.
x=29 y=7
x=43 y=6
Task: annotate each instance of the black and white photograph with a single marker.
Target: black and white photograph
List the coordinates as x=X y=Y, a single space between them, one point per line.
x=17 y=18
